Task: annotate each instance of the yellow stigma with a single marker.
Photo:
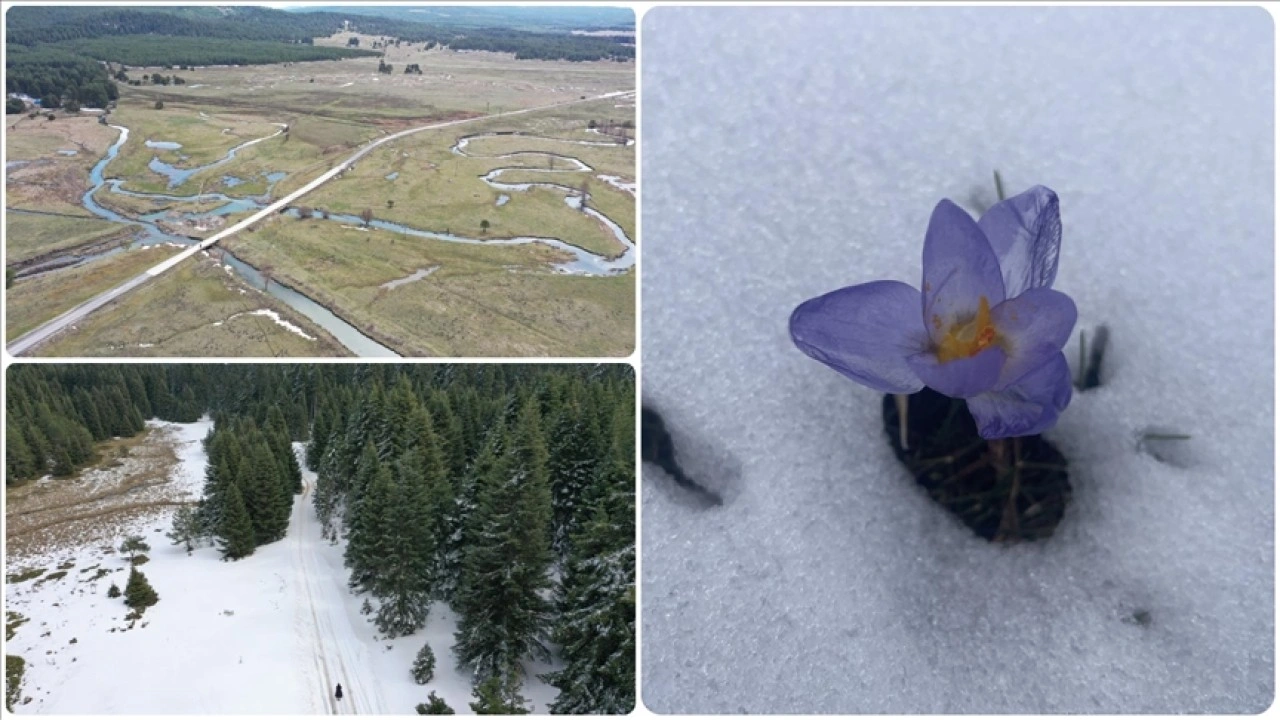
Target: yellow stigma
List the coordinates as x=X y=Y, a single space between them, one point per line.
x=967 y=339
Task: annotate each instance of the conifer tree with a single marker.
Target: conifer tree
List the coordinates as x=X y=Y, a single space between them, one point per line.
x=138 y=593
x=503 y=615
x=186 y=527
x=499 y=695
x=404 y=577
x=435 y=705
x=236 y=535
x=424 y=665
x=364 y=555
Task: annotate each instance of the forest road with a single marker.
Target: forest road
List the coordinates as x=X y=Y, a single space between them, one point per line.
x=339 y=653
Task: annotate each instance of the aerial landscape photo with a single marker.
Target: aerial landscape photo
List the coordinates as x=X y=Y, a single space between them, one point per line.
x=320 y=539
x=319 y=181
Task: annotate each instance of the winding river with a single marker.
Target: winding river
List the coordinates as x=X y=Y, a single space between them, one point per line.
x=150 y=232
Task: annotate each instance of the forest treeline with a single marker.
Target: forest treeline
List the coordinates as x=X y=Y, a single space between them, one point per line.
x=505 y=491
x=31 y=26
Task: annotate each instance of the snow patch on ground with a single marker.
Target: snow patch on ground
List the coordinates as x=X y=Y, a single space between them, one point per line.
x=417 y=275
x=828 y=582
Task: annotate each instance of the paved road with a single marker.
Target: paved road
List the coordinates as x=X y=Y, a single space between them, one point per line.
x=80 y=312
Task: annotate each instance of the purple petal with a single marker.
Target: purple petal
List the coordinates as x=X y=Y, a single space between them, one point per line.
x=1027 y=407
x=962 y=378
x=1025 y=232
x=864 y=332
x=1033 y=327
x=959 y=267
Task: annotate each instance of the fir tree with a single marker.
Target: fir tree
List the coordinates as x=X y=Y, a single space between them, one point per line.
x=113 y=591
x=186 y=527
x=499 y=696
x=596 y=624
x=404 y=574
x=424 y=666
x=236 y=534
x=504 y=616
x=364 y=555
x=435 y=705
x=138 y=593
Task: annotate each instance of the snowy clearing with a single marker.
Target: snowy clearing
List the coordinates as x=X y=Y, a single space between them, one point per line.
x=829 y=582
x=270 y=634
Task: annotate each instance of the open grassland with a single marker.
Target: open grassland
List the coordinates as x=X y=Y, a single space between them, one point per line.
x=452 y=84
x=419 y=182
x=479 y=301
x=39 y=177
x=40 y=298
x=30 y=236
x=312 y=145
x=194 y=310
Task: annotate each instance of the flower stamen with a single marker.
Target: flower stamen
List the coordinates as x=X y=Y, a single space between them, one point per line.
x=966 y=339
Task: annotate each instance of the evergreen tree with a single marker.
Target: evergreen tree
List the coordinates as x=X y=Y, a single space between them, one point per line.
x=365 y=554
x=596 y=624
x=133 y=545
x=435 y=705
x=499 y=696
x=186 y=527
x=236 y=534
x=503 y=614
x=113 y=591
x=138 y=593
x=424 y=666
x=404 y=576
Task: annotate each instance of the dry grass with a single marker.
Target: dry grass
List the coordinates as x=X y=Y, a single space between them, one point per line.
x=194 y=310
x=130 y=479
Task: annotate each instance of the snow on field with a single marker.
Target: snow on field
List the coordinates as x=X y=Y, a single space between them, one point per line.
x=813 y=144
x=270 y=634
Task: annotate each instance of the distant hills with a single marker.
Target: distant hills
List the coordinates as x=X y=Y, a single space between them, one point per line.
x=529 y=18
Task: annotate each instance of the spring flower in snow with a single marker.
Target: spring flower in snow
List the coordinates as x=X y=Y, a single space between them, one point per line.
x=987 y=327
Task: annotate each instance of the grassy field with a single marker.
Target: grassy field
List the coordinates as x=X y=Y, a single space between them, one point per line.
x=38 y=299
x=30 y=236
x=480 y=301
x=491 y=301
x=452 y=84
x=195 y=310
x=46 y=179
x=439 y=190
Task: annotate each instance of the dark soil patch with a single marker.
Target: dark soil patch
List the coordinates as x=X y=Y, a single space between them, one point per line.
x=973 y=479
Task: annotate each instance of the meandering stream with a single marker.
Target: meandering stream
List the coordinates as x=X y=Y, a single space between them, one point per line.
x=150 y=232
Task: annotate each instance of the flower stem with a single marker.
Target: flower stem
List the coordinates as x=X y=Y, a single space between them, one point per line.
x=1010 y=527
x=901 y=402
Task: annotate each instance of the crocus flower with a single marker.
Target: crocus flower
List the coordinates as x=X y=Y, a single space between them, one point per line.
x=987 y=327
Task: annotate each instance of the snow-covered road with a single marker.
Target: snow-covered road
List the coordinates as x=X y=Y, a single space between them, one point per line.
x=326 y=632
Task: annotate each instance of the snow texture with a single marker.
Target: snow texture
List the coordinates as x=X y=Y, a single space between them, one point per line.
x=793 y=151
x=270 y=634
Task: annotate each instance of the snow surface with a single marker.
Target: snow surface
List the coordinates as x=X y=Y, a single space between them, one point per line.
x=270 y=634
x=802 y=150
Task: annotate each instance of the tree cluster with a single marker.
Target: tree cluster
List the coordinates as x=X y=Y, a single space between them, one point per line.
x=250 y=480
x=472 y=491
x=55 y=75
x=55 y=413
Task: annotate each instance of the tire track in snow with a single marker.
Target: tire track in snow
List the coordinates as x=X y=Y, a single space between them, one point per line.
x=361 y=691
x=317 y=656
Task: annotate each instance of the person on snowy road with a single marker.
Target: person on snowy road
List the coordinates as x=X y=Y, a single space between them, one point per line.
x=338 y=694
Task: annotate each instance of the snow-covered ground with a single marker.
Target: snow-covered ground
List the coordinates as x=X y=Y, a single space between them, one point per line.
x=802 y=150
x=270 y=634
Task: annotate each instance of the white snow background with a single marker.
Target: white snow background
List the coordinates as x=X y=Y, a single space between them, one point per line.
x=272 y=633
x=792 y=151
